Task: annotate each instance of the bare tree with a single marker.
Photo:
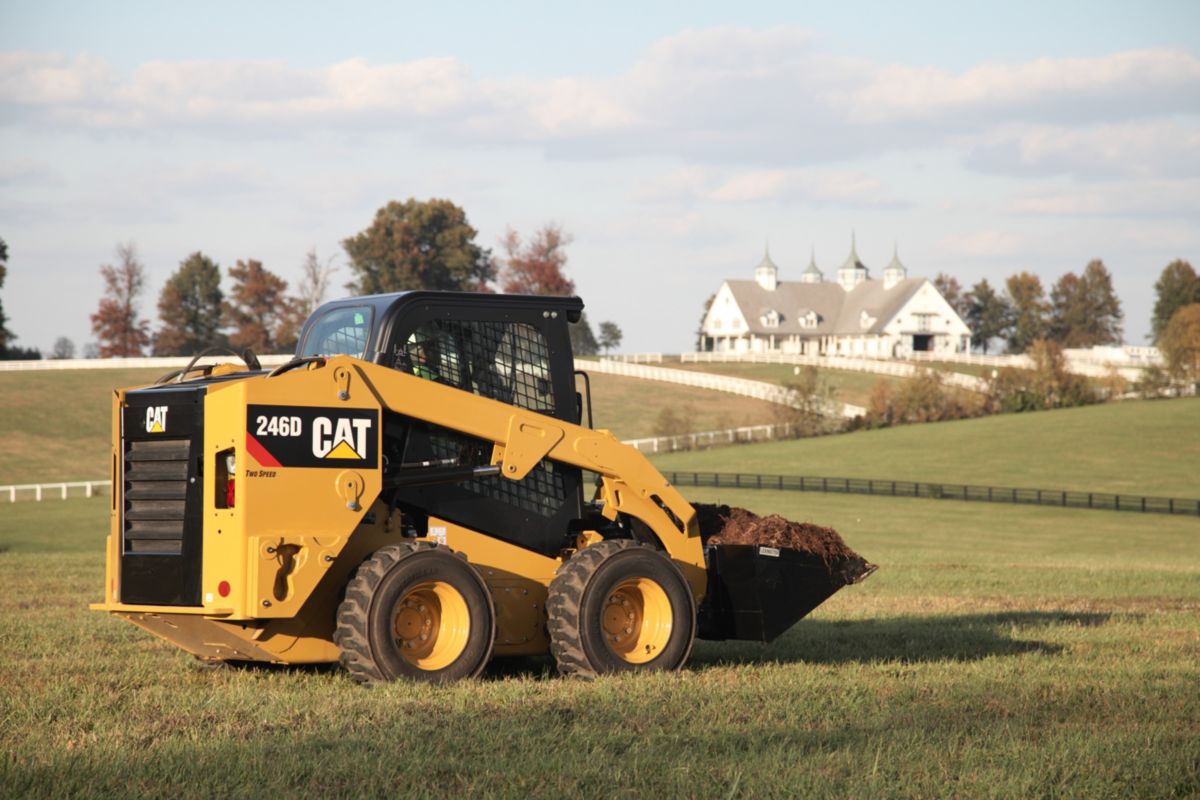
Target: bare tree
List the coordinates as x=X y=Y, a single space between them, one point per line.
x=310 y=293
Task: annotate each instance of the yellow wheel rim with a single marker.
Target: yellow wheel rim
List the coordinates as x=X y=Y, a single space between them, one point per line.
x=431 y=625
x=637 y=620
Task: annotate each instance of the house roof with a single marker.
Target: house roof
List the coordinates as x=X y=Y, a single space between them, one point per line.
x=839 y=311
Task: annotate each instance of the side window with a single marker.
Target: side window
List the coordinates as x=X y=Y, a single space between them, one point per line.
x=342 y=331
x=505 y=361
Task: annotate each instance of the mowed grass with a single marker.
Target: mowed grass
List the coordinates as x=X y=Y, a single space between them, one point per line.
x=55 y=425
x=999 y=652
x=1142 y=447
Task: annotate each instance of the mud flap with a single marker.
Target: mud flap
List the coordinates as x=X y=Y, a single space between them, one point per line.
x=756 y=593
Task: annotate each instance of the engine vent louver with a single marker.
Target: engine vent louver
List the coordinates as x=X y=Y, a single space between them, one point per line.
x=156 y=482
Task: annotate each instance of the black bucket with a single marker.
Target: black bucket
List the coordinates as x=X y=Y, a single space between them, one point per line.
x=756 y=593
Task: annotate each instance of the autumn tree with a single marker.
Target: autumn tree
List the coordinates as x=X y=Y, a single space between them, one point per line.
x=610 y=336
x=988 y=314
x=1085 y=311
x=189 y=308
x=418 y=245
x=1177 y=286
x=1180 y=344
x=952 y=290
x=536 y=266
x=118 y=330
x=1030 y=311
x=257 y=308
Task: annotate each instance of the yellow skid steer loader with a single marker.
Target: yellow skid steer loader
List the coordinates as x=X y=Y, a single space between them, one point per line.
x=406 y=496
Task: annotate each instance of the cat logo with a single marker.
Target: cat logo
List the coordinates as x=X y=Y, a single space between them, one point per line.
x=156 y=419
x=341 y=438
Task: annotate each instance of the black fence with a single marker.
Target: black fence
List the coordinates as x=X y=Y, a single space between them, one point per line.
x=940 y=491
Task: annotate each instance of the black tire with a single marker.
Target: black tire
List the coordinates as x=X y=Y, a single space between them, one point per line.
x=415 y=610
x=597 y=591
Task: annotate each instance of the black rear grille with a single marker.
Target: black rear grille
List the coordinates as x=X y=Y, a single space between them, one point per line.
x=156 y=483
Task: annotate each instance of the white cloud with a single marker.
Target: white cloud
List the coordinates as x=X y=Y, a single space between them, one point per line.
x=1115 y=199
x=980 y=244
x=1139 y=150
x=767 y=98
x=809 y=186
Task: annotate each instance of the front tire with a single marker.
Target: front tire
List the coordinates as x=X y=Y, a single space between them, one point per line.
x=418 y=611
x=620 y=606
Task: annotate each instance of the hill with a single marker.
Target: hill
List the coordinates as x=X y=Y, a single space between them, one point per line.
x=1139 y=447
x=55 y=425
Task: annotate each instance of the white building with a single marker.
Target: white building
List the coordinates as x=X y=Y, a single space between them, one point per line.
x=853 y=316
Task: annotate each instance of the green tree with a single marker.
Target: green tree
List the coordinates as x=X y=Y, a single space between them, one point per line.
x=583 y=341
x=536 y=266
x=813 y=408
x=418 y=245
x=257 y=308
x=1180 y=344
x=189 y=308
x=5 y=334
x=1085 y=311
x=988 y=314
x=1177 y=286
x=701 y=339
x=118 y=330
x=610 y=336
x=1030 y=311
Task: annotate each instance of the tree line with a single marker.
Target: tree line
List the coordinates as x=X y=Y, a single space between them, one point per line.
x=408 y=245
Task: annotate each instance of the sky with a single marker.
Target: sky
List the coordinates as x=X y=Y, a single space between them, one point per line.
x=672 y=141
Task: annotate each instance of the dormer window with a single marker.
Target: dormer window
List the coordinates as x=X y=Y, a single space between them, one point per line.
x=865 y=320
x=770 y=319
x=808 y=318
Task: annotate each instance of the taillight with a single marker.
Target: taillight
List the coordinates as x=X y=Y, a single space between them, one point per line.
x=230 y=472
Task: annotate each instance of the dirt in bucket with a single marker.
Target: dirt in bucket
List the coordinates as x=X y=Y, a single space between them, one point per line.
x=720 y=524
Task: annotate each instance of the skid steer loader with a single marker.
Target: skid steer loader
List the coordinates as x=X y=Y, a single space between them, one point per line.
x=407 y=496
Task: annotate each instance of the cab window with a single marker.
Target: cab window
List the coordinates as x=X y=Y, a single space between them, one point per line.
x=340 y=331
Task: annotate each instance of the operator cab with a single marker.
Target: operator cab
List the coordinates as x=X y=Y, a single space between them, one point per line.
x=514 y=349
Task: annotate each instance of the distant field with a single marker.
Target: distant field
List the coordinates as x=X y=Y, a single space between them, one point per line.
x=1136 y=447
x=999 y=652
x=55 y=425
x=852 y=387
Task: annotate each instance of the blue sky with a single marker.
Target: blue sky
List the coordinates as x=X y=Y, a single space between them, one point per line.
x=670 y=141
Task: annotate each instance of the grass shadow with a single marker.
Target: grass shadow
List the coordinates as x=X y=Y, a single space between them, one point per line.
x=909 y=639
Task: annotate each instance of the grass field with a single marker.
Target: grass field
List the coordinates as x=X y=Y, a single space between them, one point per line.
x=1135 y=447
x=851 y=387
x=55 y=425
x=998 y=652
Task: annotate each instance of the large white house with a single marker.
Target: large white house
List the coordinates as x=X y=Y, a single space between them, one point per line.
x=854 y=315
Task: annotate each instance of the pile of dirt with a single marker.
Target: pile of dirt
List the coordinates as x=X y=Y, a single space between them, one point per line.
x=725 y=525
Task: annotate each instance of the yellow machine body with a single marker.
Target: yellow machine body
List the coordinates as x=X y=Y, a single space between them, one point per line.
x=276 y=564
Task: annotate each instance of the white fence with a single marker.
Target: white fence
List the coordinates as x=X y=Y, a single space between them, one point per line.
x=694 y=441
x=58 y=491
x=636 y=358
x=163 y=362
x=896 y=368
x=760 y=390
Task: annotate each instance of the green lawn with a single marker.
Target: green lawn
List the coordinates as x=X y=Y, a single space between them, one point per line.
x=1133 y=447
x=999 y=652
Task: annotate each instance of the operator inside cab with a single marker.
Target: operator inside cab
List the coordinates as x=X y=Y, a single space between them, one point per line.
x=425 y=356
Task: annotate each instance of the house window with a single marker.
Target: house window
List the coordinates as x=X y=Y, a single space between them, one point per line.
x=924 y=322
x=771 y=319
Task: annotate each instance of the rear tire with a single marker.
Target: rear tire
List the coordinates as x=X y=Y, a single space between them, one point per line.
x=415 y=610
x=620 y=606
